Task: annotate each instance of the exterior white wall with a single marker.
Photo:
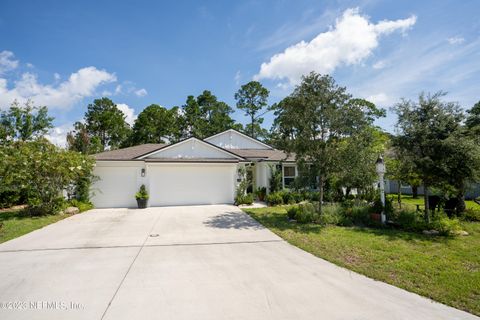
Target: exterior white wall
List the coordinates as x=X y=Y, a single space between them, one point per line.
x=118 y=182
x=263 y=173
x=191 y=149
x=235 y=140
x=189 y=184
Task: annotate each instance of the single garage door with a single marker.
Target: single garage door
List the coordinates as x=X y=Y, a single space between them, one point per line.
x=116 y=187
x=190 y=184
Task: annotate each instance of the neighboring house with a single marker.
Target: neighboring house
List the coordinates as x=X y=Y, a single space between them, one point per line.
x=188 y=172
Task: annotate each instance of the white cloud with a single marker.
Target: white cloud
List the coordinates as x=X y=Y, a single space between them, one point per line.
x=456 y=40
x=56 y=76
x=58 y=135
x=129 y=113
x=379 y=99
x=7 y=61
x=350 y=41
x=141 y=92
x=79 y=85
x=379 y=64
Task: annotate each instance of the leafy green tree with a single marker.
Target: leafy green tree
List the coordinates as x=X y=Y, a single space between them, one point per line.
x=155 y=124
x=205 y=116
x=261 y=133
x=425 y=130
x=104 y=120
x=81 y=141
x=41 y=171
x=358 y=154
x=252 y=99
x=314 y=120
x=24 y=122
x=472 y=123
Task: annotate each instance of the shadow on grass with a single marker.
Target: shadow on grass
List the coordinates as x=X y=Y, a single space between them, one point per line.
x=19 y=214
x=279 y=221
x=396 y=234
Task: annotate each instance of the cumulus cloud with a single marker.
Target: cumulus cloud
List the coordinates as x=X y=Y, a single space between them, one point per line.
x=129 y=113
x=79 y=85
x=456 y=40
x=350 y=41
x=58 y=135
x=141 y=92
x=7 y=61
x=379 y=99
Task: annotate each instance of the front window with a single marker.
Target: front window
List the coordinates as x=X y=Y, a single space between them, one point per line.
x=289 y=173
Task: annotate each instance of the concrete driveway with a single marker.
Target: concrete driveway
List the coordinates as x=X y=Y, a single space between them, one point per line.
x=200 y=262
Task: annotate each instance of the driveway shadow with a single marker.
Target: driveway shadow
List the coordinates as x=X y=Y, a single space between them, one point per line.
x=233 y=220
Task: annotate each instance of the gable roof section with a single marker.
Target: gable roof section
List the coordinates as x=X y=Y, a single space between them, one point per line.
x=129 y=153
x=265 y=155
x=191 y=149
x=216 y=139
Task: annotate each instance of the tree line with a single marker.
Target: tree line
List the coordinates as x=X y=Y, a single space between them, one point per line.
x=104 y=127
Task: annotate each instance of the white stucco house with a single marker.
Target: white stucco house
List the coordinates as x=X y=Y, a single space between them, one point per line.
x=188 y=172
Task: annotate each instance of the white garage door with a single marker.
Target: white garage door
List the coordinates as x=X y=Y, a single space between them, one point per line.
x=189 y=184
x=116 y=188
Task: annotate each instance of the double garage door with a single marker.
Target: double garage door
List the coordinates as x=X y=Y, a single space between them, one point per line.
x=167 y=184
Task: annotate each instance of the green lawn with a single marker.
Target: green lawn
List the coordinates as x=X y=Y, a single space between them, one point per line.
x=408 y=200
x=444 y=269
x=14 y=223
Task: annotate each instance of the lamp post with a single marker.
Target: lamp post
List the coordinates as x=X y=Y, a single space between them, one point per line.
x=380 y=167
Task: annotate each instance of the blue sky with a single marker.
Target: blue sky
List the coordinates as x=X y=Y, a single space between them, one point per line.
x=63 y=54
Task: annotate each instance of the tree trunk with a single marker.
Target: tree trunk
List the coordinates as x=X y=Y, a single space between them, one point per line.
x=399 y=194
x=425 y=197
x=414 y=192
x=320 y=190
x=347 y=191
x=461 y=199
x=253 y=128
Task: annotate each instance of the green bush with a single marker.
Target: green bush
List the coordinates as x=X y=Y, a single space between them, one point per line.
x=297 y=197
x=142 y=194
x=333 y=214
x=359 y=215
x=244 y=199
x=306 y=213
x=82 y=206
x=292 y=212
x=409 y=220
x=287 y=197
x=274 y=199
x=445 y=226
x=472 y=215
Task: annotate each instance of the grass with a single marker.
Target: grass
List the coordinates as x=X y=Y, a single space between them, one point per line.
x=441 y=268
x=409 y=201
x=15 y=223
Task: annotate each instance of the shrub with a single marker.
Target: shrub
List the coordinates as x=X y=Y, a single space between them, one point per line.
x=408 y=220
x=306 y=213
x=142 y=194
x=297 y=197
x=82 y=206
x=287 y=197
x=244 y=199
x=261 y=193
x=333 y=214
x=471 y=215
x=274 y=199
x=292 y=212
x=359 y=215
x=275 y=179
x=446 y=226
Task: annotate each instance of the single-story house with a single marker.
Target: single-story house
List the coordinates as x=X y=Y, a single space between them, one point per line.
x=192 y=171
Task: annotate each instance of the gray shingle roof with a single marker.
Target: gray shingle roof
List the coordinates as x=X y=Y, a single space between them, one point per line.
x=129 y=153
x=132 y=153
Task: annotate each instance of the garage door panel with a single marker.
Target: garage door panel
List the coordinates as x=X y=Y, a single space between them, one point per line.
x=116 y=188
x=191 y=184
